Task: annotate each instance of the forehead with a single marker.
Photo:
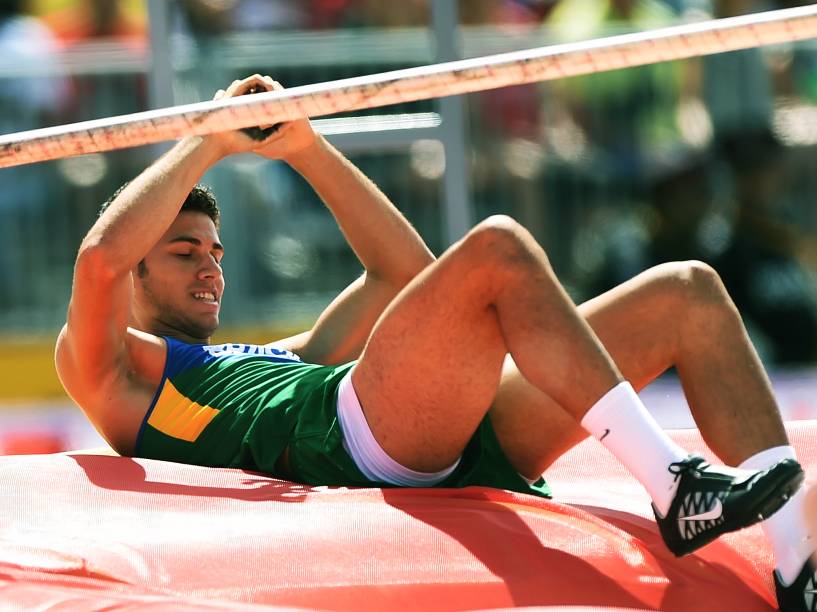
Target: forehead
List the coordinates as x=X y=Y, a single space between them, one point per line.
x=192 y=224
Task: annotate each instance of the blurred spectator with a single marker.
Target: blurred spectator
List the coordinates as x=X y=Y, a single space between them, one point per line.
x=328 y=14
x=626 y=115
x=737 y=86
x=508 y=112
x=684 y=221
x=221 y=16
x=32 y=95
x=762 y=267
x=505 y=12
x=670 y=225
x=29 y=49
x=77 y=20
x=101 y=28
x=757 y=252
x=264 y=15
x=379 y=14
x=208 y=17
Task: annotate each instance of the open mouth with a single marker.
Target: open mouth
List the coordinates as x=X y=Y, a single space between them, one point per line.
x=208 y=297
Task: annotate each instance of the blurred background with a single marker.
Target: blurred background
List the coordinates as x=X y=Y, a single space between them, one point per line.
x=709 y=158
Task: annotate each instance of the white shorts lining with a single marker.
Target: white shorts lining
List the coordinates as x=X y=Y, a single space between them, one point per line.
x=368 y=455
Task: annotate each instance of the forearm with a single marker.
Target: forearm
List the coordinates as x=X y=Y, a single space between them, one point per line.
x=141 y=214
x=381 y=237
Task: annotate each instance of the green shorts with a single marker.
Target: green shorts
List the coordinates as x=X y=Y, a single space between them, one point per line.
x=317 y=457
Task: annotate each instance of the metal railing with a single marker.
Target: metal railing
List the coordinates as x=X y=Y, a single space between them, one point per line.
x=445 y=163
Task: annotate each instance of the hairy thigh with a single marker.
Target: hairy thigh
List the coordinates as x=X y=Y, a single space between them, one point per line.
x=432 y=365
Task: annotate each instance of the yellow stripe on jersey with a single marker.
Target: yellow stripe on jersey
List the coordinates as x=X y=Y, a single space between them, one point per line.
x=178 y=416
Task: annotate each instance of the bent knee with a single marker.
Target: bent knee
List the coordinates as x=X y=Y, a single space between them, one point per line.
x=695 y=282
x=501 y=240
x=498 y=229
x=703 y=280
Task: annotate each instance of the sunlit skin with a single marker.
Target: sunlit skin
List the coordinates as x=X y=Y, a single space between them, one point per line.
x=395 y=317
x=168 y=288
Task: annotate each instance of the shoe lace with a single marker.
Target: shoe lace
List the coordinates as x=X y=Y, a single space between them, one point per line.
x=695 y=467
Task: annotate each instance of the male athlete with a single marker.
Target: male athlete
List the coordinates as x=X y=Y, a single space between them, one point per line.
x=472 y=369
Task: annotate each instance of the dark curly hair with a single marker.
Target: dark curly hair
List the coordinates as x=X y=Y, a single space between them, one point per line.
x=200 y=199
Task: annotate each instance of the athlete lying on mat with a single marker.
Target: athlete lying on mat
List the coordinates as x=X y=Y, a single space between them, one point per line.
x=475 y=368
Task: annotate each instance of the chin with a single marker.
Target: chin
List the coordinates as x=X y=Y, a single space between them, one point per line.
x=201 y=330
x=210 y=328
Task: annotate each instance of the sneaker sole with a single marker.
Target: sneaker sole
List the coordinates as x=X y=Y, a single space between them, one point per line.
x=777 y=498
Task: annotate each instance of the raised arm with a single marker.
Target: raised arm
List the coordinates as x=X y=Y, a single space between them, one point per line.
x=386 y=244
x=91 y=346
x=94 y=355
x=390 y=249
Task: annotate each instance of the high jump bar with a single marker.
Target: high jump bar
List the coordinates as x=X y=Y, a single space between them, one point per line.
x=408 y=85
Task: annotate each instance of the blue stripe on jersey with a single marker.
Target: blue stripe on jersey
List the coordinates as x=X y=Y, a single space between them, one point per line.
x=182 y=356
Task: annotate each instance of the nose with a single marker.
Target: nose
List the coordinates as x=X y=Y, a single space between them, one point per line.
x=209 y=269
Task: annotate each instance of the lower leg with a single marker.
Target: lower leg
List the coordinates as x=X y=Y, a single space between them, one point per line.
x=674 y=314
x=430 y=369
x=551 y=343
x=728 y=391
x=633 y=322
x=787 y=531
x=680 y=315
x=558 y=352
x=532 y=428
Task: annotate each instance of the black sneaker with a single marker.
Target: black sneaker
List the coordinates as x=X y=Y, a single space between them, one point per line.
x=800 y=595
x=709 y=503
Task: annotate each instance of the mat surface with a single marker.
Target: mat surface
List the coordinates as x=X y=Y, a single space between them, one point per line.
x=93 y=532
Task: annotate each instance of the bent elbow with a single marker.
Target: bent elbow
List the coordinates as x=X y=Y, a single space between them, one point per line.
x=95 y=261
x=421 y=263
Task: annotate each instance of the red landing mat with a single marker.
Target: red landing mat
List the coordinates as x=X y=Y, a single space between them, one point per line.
x=89 y=532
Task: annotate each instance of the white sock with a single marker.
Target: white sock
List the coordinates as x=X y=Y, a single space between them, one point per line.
x=622 y=424
x=786 y=529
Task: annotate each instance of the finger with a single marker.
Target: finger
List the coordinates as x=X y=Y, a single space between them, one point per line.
x=257 y=84
x=274 y=85
x=258 y=134
x=253 y=80
x=251 y=84
x=219 y=94
x=232 y=87
x=252 y=87
x=273 y=128
x=269 y=131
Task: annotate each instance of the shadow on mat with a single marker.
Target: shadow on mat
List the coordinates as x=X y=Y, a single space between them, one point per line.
x=126 y=474
x=537 y=574
x=691 y=577
x=533 y=573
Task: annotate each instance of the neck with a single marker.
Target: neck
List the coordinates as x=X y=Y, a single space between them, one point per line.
x=158 y=327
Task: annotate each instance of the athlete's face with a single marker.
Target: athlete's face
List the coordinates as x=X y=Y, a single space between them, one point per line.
x=178 y=287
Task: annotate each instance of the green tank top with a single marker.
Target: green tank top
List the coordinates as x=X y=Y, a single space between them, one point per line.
x=231 y=405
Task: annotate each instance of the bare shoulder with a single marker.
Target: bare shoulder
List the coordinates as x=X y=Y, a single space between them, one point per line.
x=115 y=395
x=142 y=356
